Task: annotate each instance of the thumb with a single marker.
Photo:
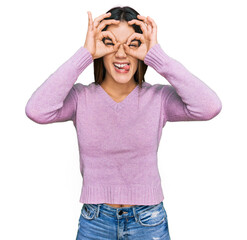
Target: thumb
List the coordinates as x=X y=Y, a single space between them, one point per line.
x=126 y=48
x=129 y=51
x=116 y=46
x=113 y=48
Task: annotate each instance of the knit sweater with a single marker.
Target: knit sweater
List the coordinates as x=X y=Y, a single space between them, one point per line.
x=118 y=141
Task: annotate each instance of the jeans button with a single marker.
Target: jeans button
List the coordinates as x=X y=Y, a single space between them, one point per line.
x=121 y=212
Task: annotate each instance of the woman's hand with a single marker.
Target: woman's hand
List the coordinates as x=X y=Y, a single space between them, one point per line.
x=148 y=38
x=93 y=42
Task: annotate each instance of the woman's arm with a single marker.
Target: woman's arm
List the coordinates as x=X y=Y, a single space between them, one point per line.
x=187 y=98
x=55 y=100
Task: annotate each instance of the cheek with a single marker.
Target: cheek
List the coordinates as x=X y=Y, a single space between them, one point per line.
x=135 y=65
x=106 y=61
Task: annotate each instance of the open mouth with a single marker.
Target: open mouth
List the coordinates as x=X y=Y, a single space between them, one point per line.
x=122 y=68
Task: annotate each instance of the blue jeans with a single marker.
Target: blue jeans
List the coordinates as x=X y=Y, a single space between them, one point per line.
x=103 y=222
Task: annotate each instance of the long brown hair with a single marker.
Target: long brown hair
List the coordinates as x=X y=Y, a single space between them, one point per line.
x=122 y=14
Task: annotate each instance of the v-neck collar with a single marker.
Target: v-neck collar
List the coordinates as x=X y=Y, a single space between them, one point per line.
x=117 y=106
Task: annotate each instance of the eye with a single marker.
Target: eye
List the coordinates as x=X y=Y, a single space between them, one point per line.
x=133 y=45
x=109 y=44
x=107 y=41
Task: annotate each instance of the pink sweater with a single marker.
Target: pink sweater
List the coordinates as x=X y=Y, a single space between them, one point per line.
x=118 y=142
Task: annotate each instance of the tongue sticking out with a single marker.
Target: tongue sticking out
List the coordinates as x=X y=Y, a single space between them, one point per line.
x=126 y=67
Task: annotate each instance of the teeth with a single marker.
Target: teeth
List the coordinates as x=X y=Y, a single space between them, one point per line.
x=120 y=65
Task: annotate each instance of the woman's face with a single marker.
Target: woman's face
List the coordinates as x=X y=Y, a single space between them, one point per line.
x=121 y=31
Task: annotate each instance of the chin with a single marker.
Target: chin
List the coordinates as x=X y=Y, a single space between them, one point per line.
x=122 y=80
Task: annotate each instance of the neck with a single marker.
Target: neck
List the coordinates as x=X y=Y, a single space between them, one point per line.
x=116 y=89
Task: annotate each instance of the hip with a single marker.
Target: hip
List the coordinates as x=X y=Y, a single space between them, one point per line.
x=101 y=221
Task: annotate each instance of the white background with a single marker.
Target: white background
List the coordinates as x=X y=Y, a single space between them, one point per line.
x=202 y=164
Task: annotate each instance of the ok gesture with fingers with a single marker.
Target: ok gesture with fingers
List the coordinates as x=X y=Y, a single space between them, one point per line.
x=148 y=38
x=94 y=37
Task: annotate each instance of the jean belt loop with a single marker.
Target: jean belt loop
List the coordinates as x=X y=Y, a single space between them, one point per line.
x=98 y=209
x=134 y=211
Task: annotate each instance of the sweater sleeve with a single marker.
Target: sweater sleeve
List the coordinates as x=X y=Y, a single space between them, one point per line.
x=56 y=99
x=187 y=98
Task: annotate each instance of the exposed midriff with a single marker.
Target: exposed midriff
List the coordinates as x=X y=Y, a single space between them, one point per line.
x=118 y=205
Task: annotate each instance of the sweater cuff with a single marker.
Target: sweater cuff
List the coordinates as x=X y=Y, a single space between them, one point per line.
x=156 y=57
x=81 y=59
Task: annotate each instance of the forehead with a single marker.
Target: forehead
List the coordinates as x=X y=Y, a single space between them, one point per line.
x=121 y=31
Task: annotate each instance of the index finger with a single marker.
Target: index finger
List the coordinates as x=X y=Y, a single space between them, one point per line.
x=101 y=17
x=108 y=35
x=140 y=23
x=107 y=22
x=137 y=36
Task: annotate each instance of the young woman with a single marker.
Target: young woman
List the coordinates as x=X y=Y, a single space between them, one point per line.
x=119 y=119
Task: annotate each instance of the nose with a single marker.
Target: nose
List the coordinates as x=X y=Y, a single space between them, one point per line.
x=120 y=52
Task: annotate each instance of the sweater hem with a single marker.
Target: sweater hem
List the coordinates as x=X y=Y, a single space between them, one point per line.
x=118 y=194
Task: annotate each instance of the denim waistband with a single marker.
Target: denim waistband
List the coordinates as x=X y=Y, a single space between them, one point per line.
x=123 y=211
